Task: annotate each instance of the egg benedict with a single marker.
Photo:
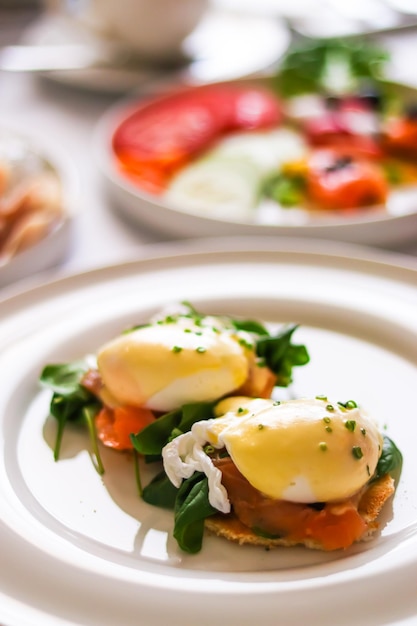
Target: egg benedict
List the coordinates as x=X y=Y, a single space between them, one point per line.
x=169 y=363
x=180 y=357
x=184 y=357
x=285 y=473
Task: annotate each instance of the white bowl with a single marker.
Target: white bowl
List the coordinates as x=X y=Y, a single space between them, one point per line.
x=52 y=249
x=389 y=227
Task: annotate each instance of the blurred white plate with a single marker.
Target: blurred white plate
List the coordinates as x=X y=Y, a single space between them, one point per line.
x=393 y=225
x=78 y=549
x=51 y=249
x=225 y=45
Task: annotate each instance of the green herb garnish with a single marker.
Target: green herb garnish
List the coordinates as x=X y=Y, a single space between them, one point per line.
x=329 y=66
x=71 y=402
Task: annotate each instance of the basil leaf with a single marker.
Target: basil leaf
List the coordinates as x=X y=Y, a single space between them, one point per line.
x=390 y=460
x=281 y=355
x=160 y=492
x=156 y=435
x=192 y=507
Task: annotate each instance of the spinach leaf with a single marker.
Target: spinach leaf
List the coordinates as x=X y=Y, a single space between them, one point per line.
x=192 y=507
x=250 y=326
x=71 y=402
x=281 y=355
x=391 y=459
x=160 y=492
x=156 y=435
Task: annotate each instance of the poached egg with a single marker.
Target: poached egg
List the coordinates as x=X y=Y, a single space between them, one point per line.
x=306 y=451
x=175 y=361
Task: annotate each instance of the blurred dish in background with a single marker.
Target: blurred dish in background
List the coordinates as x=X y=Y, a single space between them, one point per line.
x=36 y=193
x=224 y=46
x=154 y=29
x=323 y=149
x=333 y=18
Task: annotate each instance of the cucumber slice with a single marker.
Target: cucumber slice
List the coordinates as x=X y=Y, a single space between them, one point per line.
x=218 y=187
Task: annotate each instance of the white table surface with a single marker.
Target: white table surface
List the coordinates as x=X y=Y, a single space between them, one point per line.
x=68 y=116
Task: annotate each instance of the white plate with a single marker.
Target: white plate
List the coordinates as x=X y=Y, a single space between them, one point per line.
x=52 y=249
x=383 y=227
x=80 y=550
x=225 y=45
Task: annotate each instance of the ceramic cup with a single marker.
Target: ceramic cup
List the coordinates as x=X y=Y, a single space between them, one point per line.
x=154 y=29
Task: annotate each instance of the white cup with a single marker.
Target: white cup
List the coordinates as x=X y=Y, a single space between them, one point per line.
x=154 y=29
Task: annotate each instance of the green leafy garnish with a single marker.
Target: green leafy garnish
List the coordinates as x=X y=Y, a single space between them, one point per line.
x=281 y=355
x=192 y=507
x=287 y=190
x=390 y=461
x=156 y=435
x=329 y=66
x=71 y=402
x=160 y=492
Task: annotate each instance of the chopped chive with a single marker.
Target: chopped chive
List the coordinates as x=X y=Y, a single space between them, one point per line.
x=329 y=407
x=351 y=404
x=261 y=426
x=326 y=420
x=350 y=425
x=363 y=431
x=324 y=398
x=323 y=446
x=176 y=348
x=328 y=429
x=201 y=349
x=357 y=452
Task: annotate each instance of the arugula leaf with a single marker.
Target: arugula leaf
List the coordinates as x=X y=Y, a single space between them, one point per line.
x=160 y=492
x=281 y=355
x=306 y=67
x=71 y=402
x=192 y=507
x=156 y=435
x=391 y=459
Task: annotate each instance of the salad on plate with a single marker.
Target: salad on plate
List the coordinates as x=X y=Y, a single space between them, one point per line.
x=326 y=136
